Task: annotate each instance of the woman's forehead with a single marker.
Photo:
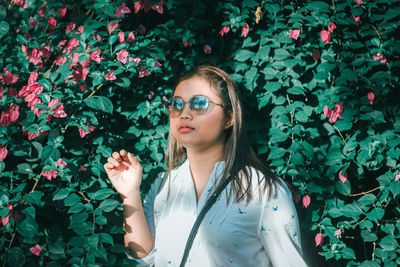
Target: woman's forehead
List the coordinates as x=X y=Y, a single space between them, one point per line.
x=195 y=86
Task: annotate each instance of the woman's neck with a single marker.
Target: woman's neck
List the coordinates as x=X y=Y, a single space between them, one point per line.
x=202 y=163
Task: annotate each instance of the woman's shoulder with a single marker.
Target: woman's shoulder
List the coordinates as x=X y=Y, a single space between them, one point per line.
x=270 y=188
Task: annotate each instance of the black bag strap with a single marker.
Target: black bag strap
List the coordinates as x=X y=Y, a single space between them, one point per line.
x=203 y=212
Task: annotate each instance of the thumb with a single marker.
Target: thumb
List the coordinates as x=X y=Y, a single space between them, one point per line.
x=133 y=160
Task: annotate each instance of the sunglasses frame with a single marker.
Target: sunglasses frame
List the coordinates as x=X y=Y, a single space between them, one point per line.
x=210 y=106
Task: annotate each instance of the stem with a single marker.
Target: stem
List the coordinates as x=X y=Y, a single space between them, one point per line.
x=340 y=134
x=36 y=182
x=363 y=193
x=379 y=34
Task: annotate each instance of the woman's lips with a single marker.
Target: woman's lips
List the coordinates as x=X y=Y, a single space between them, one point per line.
x=185 y=129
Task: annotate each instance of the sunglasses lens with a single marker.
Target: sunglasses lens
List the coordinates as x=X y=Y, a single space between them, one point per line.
x=199 y=104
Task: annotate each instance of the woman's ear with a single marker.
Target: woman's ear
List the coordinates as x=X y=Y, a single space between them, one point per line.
x=228 y=120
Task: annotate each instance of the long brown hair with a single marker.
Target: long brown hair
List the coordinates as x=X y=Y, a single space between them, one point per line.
x=239 y=157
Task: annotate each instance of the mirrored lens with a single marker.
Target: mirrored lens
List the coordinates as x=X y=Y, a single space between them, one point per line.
x=199 y=104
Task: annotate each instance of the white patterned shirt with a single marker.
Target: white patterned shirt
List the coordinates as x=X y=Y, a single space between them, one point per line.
x=257 y=233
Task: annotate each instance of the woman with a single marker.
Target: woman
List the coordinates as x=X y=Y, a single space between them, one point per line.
x=254 y=221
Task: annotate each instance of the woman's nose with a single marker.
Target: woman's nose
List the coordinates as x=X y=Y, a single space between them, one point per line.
x=186 y=112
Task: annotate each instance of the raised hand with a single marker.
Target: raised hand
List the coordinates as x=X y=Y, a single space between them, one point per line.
x=125 y=173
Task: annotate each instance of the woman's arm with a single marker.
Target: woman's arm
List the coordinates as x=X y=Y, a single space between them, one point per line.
x=125 y=173
x=138 y=238
x=279 y=230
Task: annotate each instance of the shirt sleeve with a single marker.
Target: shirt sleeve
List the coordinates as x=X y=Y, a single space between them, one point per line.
x=148 y=208
x=279 y=229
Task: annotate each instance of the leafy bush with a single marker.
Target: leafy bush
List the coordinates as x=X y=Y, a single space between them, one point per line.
x=80 y=80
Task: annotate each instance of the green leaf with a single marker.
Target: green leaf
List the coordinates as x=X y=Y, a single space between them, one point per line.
x=57 y=250
x=108 y=205
x=389 y=243
x=101 y=194
x=4 y=28
x=243 y=55
x=61 y=194
x=281 y=54
x=34 y=198
x=296 y=90
x=3 y=12
x=348 y=253
x=376 y=214
x=28 y=226
x=368 y=236
x=100 y=103
x=395 y=188
x=79 y=217
x=63 y=72
x=15 y=257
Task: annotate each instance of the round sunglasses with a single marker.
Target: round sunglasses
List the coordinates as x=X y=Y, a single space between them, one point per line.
x=198 y=105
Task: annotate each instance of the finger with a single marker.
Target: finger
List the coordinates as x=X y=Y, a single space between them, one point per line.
x=124 y=155
x=116 y=156
x=108 y=166
x=113 y=161
x=133 y=159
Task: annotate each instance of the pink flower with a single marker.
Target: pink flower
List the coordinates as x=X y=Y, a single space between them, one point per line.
x=359 y=2
x=144 y=72
x=82 y=168
x=9 y=116
x=245 y=30
x=6 y=219
x=96 y=37
x=60 y=162
x=80 y=74
x=306 y=201
x=138 y=6
x=158 y=7
x=121 y=37
x=136 y=60
x=10 y=78
x=52 y=23
x=331 y=27
x=58 y=110
x=318 y=239
x=187 y=43
x=122 y=56
x=71 y=27
x=380 y=57
x=60 y=60
x=207 y=49
x=294 y=34
x=357 y=19
x=131 y=37
x=85 y=63
x=34 y=56
x=156 y=63
x=112 y=26
x=225 y=29
x=84 y=133
x=110 y=76
x=333 y=115
x=21 y=3
x=36 y=250
x=142 y=29
x=46 y=52
x=83 y=87
x=80 y=29
x=338 y=233
x=371 y=97
x=316 y=54
x=122 y=10
x=95 y=55
x=325 y=36
x=50 y=174
x=3 y=152
x=62 y=11
x=32 y=22
x=397 y=177
x=342 y=177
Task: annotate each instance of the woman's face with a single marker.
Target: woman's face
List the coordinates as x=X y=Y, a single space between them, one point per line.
x=199 y=132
